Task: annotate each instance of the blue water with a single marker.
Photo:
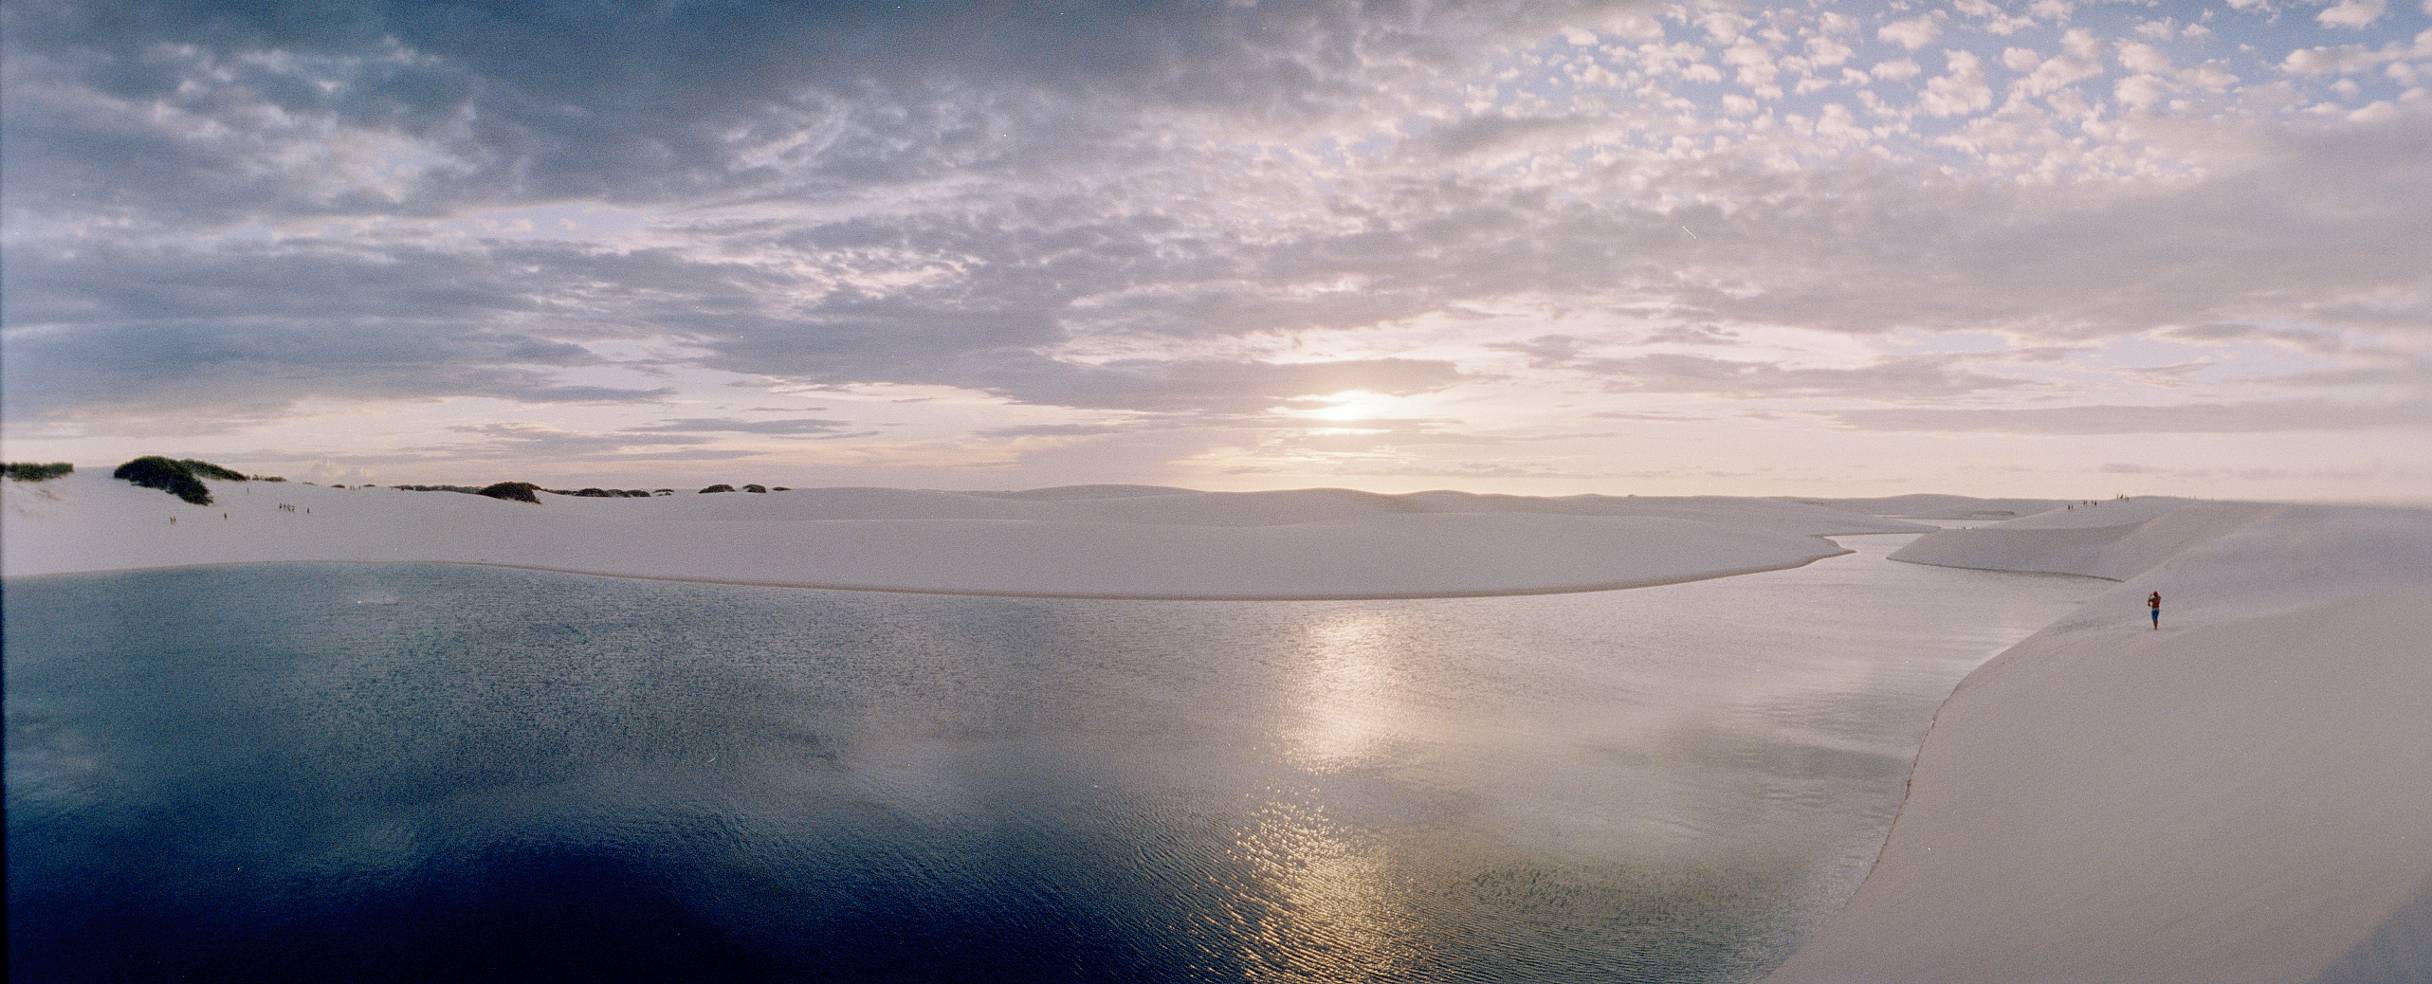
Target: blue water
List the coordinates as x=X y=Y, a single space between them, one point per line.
x=417 y=772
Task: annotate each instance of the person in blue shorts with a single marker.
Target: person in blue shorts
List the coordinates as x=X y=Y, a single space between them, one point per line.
x=2154 y=602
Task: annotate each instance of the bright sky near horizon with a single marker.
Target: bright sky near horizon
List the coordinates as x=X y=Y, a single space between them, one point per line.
x=2050 y=248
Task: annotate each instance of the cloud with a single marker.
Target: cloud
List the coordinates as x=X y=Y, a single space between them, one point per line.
x=1020 y=431
x=1960 y=90
x=786 y=427
x=2352 y=14
x=1902 y=378
x=2189 y=418
x=536 y=442
x=1897 y=68
x=2311 y=341
x=2345 y=59
x=1178 y=215
x=1912 y=33
x=1488 y=133
x=402 y=106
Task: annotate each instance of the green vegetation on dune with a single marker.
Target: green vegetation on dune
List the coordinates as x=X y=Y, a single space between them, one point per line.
x=167 y=474
x=512 y=492
x=719 y=488
x=205 y=469
x=26 y=471
x=597 y=493
x=181 y=477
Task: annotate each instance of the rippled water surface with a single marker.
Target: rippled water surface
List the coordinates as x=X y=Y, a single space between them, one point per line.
x=410 y=772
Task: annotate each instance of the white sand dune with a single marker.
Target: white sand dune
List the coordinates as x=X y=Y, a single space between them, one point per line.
x=2244 y=795
x=1929 y=506
x=1093 y=541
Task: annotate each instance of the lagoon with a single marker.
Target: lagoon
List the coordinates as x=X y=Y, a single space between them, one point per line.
x=416 y=771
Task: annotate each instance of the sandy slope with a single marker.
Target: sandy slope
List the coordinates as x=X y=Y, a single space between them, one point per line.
x=1111 y=541
x=2241 y=796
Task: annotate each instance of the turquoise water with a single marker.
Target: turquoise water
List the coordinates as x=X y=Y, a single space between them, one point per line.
x=408 y=772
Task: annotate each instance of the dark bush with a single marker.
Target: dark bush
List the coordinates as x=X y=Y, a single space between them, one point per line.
x=26 y=471
x=756 y=488
x=205 y=469
x=155 y=472
x=717 y=488
x=779 y=488
x=512 y=492
x=662 y=492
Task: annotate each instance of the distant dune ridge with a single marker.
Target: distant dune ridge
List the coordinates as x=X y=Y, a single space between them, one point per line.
x=1931 y=506
x=2244 y=795
x=1090 y=541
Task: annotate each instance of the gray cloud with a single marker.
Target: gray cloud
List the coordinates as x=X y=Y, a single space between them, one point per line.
x=2311 y=341
x=788 y=427
x=1664 y=372
x=555 y=100
x=1046 y=430
x=2188 y=418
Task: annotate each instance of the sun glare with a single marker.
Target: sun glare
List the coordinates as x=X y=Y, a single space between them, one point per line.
x=1350 y=405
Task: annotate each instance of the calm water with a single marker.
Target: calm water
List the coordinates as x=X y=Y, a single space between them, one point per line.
x=361 y=772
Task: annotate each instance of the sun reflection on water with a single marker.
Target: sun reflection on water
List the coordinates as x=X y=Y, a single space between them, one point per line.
x=1346 y=712
x=1330 y=904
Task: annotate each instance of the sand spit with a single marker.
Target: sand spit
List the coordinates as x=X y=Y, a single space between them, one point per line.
x=1106 y=541
x=2239 y=796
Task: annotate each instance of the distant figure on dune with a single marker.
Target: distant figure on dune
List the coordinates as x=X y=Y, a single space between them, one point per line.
x=2154 y=602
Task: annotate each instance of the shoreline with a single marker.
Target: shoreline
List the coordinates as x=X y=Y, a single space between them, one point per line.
x=1285 y=546
x=1050 y=596
x=2214 y=801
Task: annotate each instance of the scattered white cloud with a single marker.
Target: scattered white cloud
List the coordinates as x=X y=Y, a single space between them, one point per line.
x=2139 y=57
x=2140 y=92
x=2352 y=14
x=2339 y=59
x=1823 y=50
x=1911 y=33
x=1960 y=90
x=2383 y=111
x=1897 y=68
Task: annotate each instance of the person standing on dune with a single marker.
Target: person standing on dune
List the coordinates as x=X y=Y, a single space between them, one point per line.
x=2154 y=602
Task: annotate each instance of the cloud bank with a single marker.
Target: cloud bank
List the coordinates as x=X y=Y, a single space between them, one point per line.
x=1210 y=240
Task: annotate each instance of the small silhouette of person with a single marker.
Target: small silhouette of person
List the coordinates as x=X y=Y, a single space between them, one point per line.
x=2154 y=603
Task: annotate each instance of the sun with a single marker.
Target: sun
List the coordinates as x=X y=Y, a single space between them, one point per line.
x=1350 y=405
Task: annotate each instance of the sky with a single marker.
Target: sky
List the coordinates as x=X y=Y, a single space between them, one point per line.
x=2056 y=248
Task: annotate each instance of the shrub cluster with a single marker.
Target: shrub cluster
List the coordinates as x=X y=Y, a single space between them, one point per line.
x=511 y=491
x=718 y=488
x=26 y=471
x=205 y=469
x=169 y=475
